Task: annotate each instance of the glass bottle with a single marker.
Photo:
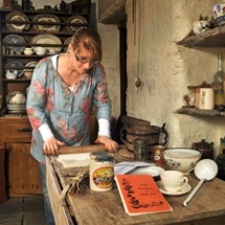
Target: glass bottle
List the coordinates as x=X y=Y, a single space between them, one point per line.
x=218 y=81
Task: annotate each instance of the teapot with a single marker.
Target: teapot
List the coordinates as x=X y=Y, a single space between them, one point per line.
x=205 y=147
x=11 y=74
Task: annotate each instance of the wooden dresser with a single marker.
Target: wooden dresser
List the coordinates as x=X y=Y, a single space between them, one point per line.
x=22 y=170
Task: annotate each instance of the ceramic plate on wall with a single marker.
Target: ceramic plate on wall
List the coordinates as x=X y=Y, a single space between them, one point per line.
x=78 y=21
x=12 y=64
x=19 y=17
x=14 y=39
x=47 y=39
x=30 y=66
x=46 y=18
x=66 y=42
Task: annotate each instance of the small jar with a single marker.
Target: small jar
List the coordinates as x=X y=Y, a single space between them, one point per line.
x=157 y=154
x=140 y=149
x=101 y=171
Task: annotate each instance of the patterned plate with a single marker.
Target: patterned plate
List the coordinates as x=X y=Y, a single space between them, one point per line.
x=79 y=21
x=18 y=17
x=46 y=18
x=12 y=39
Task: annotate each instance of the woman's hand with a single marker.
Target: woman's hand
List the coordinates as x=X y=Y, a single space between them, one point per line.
x=111 y=145
x=51 y=146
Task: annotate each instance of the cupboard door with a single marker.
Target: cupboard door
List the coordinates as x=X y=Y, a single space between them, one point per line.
x=22 y=170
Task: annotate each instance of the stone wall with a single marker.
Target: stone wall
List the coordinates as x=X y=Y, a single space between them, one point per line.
x=165 y=69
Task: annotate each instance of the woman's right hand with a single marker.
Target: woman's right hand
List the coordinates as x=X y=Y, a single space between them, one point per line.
x=51 y=146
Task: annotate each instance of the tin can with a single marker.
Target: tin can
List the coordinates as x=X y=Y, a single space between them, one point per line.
x=101 y=171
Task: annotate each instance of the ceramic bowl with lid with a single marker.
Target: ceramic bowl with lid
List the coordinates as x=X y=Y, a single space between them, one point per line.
x=16 y=98
x=181 y=159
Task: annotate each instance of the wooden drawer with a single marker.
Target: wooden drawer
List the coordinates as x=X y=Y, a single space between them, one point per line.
x=15 y=129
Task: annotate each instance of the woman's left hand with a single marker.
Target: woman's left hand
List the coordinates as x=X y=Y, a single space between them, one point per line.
x=110 y=144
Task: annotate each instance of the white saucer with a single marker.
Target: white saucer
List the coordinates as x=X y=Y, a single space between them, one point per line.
x=183 y=190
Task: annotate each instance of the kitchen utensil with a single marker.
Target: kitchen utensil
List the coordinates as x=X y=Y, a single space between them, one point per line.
x=206 y=169
x=81 y=149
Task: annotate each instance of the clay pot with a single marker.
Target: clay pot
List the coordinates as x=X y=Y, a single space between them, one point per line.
x=205 y=147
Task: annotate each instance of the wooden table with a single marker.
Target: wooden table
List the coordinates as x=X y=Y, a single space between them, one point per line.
x=95 y=208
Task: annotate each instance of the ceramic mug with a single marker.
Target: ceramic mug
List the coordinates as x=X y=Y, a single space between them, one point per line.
x=206 y=98
x=173 y=180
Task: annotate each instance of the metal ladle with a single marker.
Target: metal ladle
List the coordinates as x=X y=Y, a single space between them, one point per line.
x=205 y=169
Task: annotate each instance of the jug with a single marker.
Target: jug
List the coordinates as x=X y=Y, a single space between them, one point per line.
x=11 y=74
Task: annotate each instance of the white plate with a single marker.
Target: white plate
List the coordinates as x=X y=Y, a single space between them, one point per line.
x=48 y=39
x=74 y=160
x=19 y=17
x=46 y=18
x=78 y=20
x=149 y=170
x=184 y=190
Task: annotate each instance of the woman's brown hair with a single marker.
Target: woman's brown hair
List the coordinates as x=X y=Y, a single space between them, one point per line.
x=88 y=41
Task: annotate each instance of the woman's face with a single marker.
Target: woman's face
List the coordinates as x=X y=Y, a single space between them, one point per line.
x=82 y=61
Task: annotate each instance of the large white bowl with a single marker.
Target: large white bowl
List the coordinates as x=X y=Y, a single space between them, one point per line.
x=181 y=159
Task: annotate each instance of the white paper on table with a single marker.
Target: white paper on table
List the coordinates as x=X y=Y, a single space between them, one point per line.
x=125 y=167
x=74 y=160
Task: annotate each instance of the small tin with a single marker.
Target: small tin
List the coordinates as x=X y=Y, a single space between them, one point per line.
x=101 y=171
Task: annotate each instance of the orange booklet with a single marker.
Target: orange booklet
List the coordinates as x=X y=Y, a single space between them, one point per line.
x=140 y=194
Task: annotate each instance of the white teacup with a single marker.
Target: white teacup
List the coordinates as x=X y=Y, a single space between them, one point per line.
x=173 y=180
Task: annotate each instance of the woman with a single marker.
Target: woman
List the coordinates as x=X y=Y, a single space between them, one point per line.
x=64 y=91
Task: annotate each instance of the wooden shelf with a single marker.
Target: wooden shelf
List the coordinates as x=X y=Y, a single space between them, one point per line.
x=194 y=111
x=210 y=38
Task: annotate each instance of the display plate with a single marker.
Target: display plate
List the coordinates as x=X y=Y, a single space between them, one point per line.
x=14 y=39
x=30 y=64
x=17 y=16
x=47 y=39
x=79 y=20
x=67 y=42
x=46 y=18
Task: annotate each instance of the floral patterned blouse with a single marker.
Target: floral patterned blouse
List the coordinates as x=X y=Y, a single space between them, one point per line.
x=65 y=110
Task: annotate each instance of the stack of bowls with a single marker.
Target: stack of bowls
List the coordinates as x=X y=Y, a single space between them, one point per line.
x=153 y=135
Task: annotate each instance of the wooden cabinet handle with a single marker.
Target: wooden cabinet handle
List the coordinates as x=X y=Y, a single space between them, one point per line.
x=25 y=129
